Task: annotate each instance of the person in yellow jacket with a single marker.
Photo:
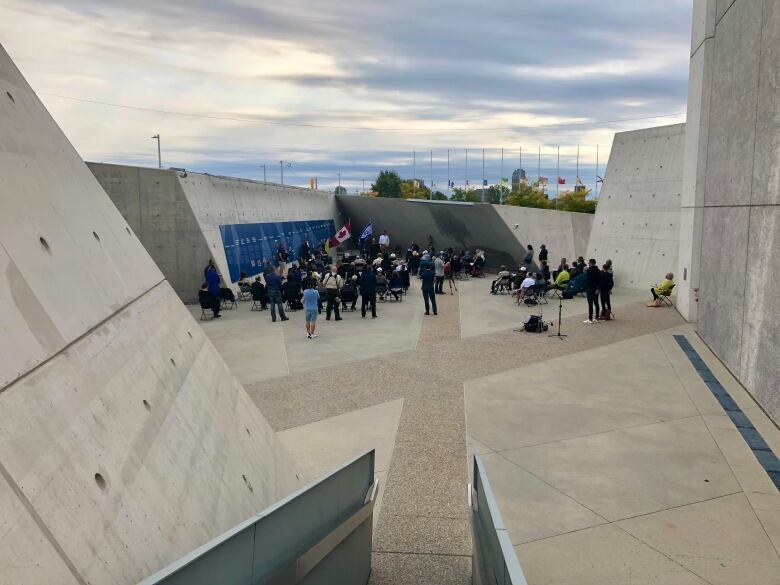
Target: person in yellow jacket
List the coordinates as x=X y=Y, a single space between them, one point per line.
x=562 y=279
x=662 y=289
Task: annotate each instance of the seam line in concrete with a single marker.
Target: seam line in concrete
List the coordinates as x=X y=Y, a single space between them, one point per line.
x=40 y=523
x=86 y=333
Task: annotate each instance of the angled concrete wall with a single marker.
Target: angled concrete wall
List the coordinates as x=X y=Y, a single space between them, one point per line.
x=470 y=226
x=637 y=222
x=125 y=441
x=177 y=215
x=732 y=186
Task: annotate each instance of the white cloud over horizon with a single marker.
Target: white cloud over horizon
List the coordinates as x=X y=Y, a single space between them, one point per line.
x=495 y=74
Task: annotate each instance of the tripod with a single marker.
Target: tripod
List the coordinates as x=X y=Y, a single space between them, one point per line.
x=560 y=308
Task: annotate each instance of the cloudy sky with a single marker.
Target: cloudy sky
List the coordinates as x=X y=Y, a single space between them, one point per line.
x=351 y=87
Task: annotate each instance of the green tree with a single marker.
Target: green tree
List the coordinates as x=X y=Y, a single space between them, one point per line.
x=497 y=194
x=528 y=196
x=388 y=184
x=412 y=189
x=439 y=196
x=468 y=195
x=576 y=201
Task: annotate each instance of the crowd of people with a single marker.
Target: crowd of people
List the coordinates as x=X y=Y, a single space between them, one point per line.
x=318 y=283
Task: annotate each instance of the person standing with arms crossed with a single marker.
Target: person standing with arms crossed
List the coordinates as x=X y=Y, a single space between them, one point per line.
x=429 y=293
x=592 y=284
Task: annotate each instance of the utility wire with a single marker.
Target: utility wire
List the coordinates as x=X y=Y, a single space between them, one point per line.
x=335 y=127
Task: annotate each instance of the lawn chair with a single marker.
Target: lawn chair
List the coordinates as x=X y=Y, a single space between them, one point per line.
x=665 y=299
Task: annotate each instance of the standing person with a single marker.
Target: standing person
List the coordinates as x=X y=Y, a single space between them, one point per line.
x=311 y=301
x=304 y=254
x=606 y=284
x=368 y=292
x=449 y=273
x=592 y=283
x=438 y=270
x=333 y=283
x=384 y=242
x=215 y=290
x=210 y=266
x=543 y=253
x=273 y=286
x=429 y=294
x=281 y=257
x=528 y=259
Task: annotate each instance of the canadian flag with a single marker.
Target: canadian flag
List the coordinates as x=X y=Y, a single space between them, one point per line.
x=343 y=234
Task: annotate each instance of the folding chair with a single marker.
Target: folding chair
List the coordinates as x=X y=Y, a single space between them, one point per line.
x=204 y=315
x=666 y=300
x=399 y=291
x=244 y=292
x=503 y=286
x=381 y=292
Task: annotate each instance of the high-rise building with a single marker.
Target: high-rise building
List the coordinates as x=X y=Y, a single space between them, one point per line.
x=518 y=177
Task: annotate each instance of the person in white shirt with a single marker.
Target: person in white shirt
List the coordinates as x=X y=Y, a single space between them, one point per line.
x=526 y=287
x=384 y=241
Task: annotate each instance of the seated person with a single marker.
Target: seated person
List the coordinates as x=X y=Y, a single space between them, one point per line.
x=396 y=284
x=259 y=294
x=291 y=293
x=381 y=284
x=662 y=289
x=479 y=265
x=562 y=279
x=349 y=292
x=576 y=285
x=527 y=287
x=208 y=300
x=502 y=280
x=227 y=294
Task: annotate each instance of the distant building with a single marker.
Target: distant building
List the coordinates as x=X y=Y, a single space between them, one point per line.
x=340 y=190
x=313 y=183
x=518 y=177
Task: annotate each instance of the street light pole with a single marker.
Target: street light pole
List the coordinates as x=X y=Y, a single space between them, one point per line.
x=466 y=178
x=430 y=191
x=414 y=165
x=483 y=175
x=264 y=174
x=501 y=179
x=281 y=170
x=159 y=154
x=448 y=173
x=339 y=174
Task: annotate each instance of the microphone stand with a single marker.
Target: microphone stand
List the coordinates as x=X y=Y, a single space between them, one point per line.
x=560 y=308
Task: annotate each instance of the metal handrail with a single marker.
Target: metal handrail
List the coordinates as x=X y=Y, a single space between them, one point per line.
x=494 y=559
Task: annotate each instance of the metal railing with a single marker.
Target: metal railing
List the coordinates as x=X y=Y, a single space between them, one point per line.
x=494 y=561
x=319 y=535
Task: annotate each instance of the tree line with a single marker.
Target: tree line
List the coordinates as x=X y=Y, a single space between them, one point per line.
x=389 y=184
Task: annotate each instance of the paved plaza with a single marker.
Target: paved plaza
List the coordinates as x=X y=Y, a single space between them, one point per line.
x=611 y=459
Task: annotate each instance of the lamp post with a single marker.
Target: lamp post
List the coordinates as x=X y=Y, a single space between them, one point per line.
x=339 y=174
x=281 y=170
x=159 y=155
x=264 y=174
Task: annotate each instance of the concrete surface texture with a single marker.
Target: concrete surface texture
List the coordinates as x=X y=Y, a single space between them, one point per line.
x=732 y=186
x=637 y=222
x=177 y=215
x=125 y=441
x=470 y=226
x=610 y=457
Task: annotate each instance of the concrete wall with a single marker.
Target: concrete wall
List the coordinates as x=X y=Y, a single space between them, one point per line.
x=565 y=234
x=637 y=221
x=125 y=441
x=177 y=215
x=732 y=186
x=469 y=226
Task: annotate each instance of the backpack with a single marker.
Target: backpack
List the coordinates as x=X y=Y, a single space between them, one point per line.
x=534 y=324
x=567 y=295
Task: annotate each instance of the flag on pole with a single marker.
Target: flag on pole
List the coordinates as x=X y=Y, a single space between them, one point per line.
x=578 y=181
x=504 y=181
x=341 y=235
x=543 y=180
x=561 y=181
x=599 y=179
x=484 y=182
x=366 y=233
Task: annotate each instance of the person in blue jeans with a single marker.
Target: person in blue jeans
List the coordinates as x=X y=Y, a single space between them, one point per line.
x=429 y=294
x=311 y=301
x=273 y=286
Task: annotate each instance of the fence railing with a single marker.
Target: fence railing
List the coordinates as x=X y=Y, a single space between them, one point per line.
x=319 y=535
x=494 y=561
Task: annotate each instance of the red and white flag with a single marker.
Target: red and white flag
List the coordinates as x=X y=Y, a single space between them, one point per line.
x=343 y=234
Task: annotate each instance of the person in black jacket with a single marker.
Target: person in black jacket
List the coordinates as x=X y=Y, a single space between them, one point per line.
x=592 y=281
x=606 y=283
x=368 y=292
x=542 y=253
x=428 y=277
